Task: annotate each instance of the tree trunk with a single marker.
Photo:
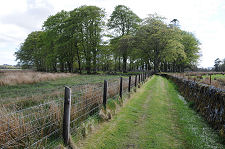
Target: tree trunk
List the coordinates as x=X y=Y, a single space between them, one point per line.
x=70 y=66
x=119 y=64
x=115 y=63
x=124 y=64
x=78 y=57
x=88 y=63
x=94 y=60
x=54 y=68
x=62 y=67
x=131 y=65
x=156 y=66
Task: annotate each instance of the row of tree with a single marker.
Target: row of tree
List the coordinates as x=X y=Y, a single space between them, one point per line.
x=219 y=65
x=82 y=39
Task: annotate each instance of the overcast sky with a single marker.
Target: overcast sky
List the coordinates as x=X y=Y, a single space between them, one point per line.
x=204 y=18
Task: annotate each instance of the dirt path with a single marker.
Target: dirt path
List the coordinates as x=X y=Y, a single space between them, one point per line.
x=148 y=120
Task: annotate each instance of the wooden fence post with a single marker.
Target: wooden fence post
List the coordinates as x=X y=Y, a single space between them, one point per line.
x=66 y=115
x=121 y=87
x=129 y=84
x=105 y=93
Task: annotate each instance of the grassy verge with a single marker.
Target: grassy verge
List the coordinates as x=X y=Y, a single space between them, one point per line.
x=155 y=117
x=195 y=130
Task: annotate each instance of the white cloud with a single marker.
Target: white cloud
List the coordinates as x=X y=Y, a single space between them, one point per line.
x=7 y=55
x=205 y=18
x=12 y=6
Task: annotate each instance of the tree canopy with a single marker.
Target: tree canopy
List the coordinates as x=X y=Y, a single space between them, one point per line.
x=75 y=41
x=219 y=65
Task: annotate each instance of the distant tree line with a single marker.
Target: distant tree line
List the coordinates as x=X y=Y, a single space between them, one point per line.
x=219 y=65
x=83 y=40
x=5 y=66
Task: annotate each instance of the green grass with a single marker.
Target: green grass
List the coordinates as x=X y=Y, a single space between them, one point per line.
x=10 y=94
x=155 y=117
x=196 y=131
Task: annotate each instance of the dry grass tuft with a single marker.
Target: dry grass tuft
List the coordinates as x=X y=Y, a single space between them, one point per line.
x=28 y=77
x=23 y=102
x=11 y=128
x=23 y=129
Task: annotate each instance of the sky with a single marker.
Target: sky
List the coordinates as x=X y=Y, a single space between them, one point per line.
x=204 y=18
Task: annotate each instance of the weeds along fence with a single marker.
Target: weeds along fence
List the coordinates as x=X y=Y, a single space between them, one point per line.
x=47 y=124
x=205 y=99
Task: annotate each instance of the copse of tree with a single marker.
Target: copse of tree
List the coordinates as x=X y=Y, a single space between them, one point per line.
x=72 y=42
x=68 y=39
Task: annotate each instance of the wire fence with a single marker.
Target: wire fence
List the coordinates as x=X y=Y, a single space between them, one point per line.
x=40 y=94
x=25 y=128
x=42 y=126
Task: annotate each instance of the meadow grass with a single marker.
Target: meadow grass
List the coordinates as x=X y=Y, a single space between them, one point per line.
x=31 y=94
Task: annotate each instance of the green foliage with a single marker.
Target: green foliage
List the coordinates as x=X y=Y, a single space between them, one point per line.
x=30 y=51
x=123 y=20
x=166 y=45
x=191 y=48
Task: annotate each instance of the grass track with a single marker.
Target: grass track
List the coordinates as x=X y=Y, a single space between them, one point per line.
x=155 y=117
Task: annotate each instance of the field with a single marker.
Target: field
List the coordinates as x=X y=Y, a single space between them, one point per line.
x=217 y=79
x=35 y=91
